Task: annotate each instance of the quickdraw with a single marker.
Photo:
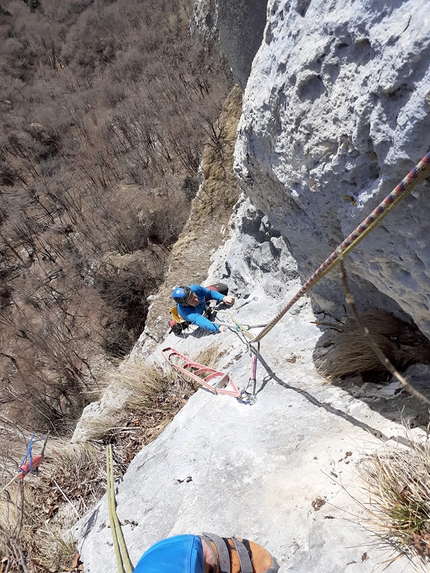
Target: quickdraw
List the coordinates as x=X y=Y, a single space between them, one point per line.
x=30 y=463
x=251 y=396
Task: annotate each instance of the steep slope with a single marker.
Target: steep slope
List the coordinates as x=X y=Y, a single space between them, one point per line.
x=277 y=471
x=335 y=114
x=206 y=227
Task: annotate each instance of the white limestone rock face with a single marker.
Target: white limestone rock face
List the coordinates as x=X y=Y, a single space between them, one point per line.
x=336 y=113
x=282 y=471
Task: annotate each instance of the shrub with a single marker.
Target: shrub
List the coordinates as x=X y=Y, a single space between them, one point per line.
x=190 y=186
x=117 y=342
x=397 y=482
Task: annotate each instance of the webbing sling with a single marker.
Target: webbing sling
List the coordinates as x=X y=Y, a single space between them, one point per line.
x=245 y=561
x=224 y=549
x=223 y=553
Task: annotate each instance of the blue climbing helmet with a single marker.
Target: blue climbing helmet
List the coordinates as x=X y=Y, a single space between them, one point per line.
x=181 y=294
x=179 y=554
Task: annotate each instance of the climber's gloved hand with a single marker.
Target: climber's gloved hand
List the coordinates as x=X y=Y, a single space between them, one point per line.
x=222 y=328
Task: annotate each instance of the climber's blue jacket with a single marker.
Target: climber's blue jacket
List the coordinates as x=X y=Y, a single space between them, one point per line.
x=194 y=313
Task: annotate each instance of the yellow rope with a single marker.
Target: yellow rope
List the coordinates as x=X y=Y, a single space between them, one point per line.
x=121 y=553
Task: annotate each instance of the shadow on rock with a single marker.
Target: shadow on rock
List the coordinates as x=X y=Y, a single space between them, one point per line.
x=271 y=375
x=344 y=357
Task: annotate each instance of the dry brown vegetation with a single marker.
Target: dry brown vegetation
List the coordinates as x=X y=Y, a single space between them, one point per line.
x=105 y=109
x=348 y=353
x=72 y=478
x=396 y=483
x=208 y=221
x=37 y=512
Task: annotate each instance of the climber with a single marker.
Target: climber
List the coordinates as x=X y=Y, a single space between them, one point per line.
x=191 y=303
x=207 y=553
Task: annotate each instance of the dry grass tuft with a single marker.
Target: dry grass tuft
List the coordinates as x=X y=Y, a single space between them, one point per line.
x=210 y=355
x=99 y=427
x=38 y=511
x=145 y=390
x=56 y=549
x=398 y=485
x=349 y=354
x=142 y=382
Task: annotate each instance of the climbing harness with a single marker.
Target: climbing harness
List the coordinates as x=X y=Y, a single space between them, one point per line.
x=420 y=172
x=213 y=380
x=177 y=323
x=121 y=553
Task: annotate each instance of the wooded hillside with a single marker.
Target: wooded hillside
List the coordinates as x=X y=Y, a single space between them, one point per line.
x=105 y=108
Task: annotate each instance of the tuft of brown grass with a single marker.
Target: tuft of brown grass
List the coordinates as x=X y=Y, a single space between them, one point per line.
x=142 y=381
x=210 y=355
x=350 y=354
x=38 y=511
x=56 y=549
x=398 y=485
x=143 y=390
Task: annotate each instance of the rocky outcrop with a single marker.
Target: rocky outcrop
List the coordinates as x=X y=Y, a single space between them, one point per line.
x=241 y=25
x=281 y=471
x=336 y=112
x=238 y=25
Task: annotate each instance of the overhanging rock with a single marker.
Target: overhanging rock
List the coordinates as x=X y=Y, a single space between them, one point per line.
x=336 y=112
